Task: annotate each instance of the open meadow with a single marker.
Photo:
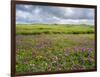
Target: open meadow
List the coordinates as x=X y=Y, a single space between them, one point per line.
x=54 y=47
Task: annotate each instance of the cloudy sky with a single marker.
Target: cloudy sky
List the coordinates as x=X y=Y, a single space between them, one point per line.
x=52 y=14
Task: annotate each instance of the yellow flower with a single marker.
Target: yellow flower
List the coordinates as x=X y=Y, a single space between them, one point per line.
x=39 y=57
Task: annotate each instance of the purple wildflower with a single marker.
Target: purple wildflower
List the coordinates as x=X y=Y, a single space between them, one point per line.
x=83 y=49
x=90 y=50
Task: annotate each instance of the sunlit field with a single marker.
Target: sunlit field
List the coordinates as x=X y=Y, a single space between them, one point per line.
x=53 y=47
x=54 y=29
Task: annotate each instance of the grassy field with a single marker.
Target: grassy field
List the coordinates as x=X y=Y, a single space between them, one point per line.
x=42 y=48
x=54 y=29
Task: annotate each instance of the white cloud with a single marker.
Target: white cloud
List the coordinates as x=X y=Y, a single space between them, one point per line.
x=52 y=14
x=27 y=6
x=67 y=11
x=77 y=21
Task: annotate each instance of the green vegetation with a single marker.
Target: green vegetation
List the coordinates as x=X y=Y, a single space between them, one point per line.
x=53 y=29
x=42 y=48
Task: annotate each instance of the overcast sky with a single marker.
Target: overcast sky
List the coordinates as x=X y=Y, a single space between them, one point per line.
x=52 y=14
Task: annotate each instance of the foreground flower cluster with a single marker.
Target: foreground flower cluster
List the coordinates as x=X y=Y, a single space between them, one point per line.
x=42 y=53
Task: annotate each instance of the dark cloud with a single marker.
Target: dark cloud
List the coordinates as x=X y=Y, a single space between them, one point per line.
x=51 y=14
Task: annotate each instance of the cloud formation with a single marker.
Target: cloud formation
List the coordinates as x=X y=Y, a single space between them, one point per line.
x=53 y=14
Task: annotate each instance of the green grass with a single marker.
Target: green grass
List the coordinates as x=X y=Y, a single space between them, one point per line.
x=45 y=48
x=53 y=29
